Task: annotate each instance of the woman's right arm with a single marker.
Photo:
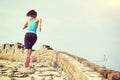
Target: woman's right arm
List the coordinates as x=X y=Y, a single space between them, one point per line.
x=25 y=25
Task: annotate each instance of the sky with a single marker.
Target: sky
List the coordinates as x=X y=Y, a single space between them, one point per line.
x=85 y=28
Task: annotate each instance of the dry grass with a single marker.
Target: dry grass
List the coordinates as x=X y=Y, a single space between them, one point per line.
x=10 y=56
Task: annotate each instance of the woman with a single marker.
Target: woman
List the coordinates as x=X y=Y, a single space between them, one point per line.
x=30 y=37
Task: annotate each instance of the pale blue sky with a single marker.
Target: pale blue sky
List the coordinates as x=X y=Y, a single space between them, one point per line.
x=87 y=28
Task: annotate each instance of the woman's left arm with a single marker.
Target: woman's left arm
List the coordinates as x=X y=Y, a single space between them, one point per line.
x=40 y=22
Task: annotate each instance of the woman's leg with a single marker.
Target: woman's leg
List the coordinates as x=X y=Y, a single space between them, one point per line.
x=28 y=52
x=30 y=41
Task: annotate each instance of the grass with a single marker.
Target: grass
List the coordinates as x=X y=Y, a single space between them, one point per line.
x=10 y=56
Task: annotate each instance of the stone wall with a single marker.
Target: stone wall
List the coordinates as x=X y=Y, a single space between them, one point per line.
x=76 y=67
x=70 y=65
x=11 y=51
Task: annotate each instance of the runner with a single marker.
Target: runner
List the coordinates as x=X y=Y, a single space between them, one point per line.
x=30 y=38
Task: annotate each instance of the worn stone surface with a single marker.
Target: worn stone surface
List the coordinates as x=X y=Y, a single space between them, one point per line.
x=16 y=71
x=49 y=64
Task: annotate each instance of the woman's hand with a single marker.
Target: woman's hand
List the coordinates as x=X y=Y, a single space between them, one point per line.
x=39 y=29
x=40 y=22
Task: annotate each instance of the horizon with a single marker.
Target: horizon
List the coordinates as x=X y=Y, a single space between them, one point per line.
x=88 y=29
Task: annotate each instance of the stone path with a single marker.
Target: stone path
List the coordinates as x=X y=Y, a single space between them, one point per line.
x=16 y=71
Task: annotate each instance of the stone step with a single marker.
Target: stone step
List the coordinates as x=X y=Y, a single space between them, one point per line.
x=34 y=72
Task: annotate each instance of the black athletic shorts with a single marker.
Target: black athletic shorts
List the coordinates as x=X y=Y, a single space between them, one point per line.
x=29 y=40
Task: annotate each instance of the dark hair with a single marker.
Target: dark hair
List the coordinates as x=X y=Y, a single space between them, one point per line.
x=31 y=13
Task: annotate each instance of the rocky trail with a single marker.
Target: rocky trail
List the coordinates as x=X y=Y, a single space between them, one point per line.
x=16 y=71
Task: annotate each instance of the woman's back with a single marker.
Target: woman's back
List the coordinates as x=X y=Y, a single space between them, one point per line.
x=32 y=25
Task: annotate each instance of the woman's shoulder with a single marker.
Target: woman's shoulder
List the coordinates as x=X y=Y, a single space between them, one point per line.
x=27 y=20
x=38 y=18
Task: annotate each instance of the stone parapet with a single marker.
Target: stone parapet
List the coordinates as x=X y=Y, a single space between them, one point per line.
x=11 y=52
x=79 y=68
